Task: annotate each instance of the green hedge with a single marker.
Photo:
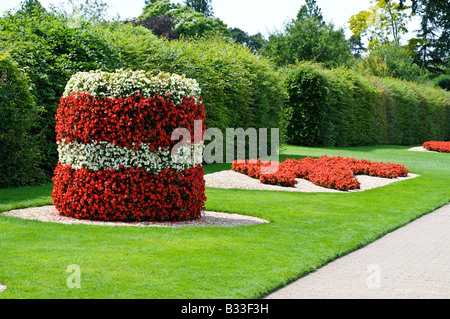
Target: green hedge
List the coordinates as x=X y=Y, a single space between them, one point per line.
x=240 y=89
x=50 y=52
x=416 y=113
x=341 y=108
x=19 y=154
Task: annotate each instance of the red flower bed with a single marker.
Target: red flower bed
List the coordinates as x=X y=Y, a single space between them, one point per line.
x=129 y=194
x=330 y=172
x=437 y=146
x=84 y=118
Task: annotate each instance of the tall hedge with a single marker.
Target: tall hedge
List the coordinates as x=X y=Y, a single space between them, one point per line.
x=341 y=108
x=19 y=154
x=50 y=52
x=240 y=89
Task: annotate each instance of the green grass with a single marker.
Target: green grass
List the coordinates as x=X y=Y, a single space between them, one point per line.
x=305 y=232
x=29 y=196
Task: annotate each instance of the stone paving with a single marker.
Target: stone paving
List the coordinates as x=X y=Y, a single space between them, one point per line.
x=412 y=262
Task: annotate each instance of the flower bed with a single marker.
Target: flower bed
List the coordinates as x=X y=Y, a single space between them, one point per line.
x=437 y=146
x=331 y=172
x=116 y=157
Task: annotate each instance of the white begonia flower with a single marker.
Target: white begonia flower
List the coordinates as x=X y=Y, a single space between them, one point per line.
x=103 y=156
x=126 y=83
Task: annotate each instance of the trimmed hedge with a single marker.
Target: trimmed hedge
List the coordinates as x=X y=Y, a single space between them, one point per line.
x=241 y=89
x=416 y=113
x=341 y=108
x=50 y=52
x=19 y=154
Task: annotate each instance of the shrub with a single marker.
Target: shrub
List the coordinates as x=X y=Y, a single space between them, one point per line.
x=242 y=89
x=332 y=107
x=443 y=81
x=415 y=112
x=341 y=108
x=117 y=159
x=19 y=154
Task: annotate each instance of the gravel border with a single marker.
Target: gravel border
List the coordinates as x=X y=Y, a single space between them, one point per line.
x=209 y=219
x=421 y=149
x=234 y=180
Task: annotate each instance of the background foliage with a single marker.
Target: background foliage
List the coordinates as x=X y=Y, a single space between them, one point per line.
x=342 y=108
x=186 y=21
x=356 y=96
x=19 y=154
x=50 y=52
x=309 y=38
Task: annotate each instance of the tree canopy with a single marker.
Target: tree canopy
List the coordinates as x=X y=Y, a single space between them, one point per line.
x=185 y=20
x=202 y=6
x=433 y=42
x=383 y=23
x=309 y=38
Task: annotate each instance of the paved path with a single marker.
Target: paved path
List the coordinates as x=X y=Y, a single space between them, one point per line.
x=412 y=262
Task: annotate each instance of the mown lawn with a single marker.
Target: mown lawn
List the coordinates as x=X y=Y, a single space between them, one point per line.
x=305 y=232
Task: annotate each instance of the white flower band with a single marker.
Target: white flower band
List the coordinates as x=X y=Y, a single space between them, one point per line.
x=126 y=83
x=104 y=155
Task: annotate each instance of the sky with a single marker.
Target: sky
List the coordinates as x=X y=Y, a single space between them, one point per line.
x=252 y=16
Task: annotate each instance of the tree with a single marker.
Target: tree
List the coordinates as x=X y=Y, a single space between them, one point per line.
x=383 y=23
x=80 y=12
x=310 y=10
x=393 y=61
x=309 y=38
x=433 y=42
x=162 y=26
x=187 y=22
x=356 y=46
x=31 y=7
x=253 y=42
x=202 y=6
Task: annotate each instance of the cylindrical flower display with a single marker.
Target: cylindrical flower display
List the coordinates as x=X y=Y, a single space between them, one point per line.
x=117 y=155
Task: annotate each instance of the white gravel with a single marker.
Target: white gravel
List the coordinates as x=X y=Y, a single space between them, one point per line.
x=231 y=179
x=420 y=149
x=210 y=219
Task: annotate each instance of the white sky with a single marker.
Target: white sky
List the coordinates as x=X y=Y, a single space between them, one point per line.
x=252 y=16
